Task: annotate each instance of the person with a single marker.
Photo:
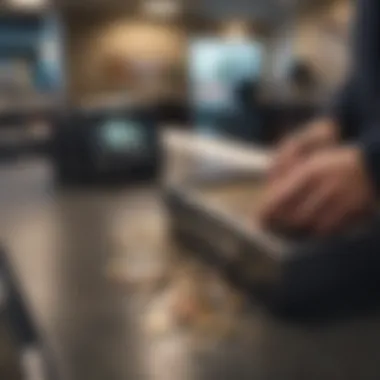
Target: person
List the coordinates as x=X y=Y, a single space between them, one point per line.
x=327 y=176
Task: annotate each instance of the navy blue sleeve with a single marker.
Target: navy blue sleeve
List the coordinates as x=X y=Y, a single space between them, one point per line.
x=357 y=108
x=367 y=70
x=370 y=146
x=343 y=109
x=357 y=102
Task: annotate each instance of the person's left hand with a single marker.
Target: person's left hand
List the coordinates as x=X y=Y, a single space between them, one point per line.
x=321 y=195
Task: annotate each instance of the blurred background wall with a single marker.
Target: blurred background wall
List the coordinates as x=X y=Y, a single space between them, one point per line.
x=115 y=53
x=95 y=49
x=94 y=46
x=322 y=39
x=317 y=34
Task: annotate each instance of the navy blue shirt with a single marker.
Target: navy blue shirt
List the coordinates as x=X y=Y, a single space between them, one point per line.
x=357 y=108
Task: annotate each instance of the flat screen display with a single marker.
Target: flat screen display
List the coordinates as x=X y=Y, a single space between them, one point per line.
x=218 y=69
x=123 y=136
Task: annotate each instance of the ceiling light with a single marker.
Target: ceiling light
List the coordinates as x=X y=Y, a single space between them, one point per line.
x=162 y=8
x=236 y=30
x=27 y=4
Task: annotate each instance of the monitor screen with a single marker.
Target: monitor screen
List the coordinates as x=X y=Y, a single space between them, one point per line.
x=218 y=69
x=123 y=136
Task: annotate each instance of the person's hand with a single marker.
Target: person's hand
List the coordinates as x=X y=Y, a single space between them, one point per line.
x=319 y=134
x=323 y=194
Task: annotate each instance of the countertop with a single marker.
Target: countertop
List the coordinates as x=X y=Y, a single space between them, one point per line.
x=68 y=251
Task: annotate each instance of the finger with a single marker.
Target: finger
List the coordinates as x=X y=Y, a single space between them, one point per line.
x=315 y=202
x=286 y=154
x=343 y=216
x=332 y=219
x=291 y=152
x=286 y=193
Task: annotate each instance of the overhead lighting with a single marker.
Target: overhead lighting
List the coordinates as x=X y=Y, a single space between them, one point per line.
x=27 y=4
x=162 y=8
x=236 y=29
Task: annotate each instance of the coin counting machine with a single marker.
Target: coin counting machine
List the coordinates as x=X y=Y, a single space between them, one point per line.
x=291 y=275
x=102 y=144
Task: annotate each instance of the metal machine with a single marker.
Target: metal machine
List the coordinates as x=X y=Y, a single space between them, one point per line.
x=106 y=144
x=292 y=275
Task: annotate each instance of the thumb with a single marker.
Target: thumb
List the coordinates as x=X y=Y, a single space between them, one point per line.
x=288 y=155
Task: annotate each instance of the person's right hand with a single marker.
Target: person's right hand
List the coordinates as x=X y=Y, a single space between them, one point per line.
x=317 y=135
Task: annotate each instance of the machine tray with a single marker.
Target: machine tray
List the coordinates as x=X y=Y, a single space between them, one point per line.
x=216 y=220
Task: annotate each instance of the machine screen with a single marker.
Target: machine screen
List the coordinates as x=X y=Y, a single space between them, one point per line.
x=123 y=136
